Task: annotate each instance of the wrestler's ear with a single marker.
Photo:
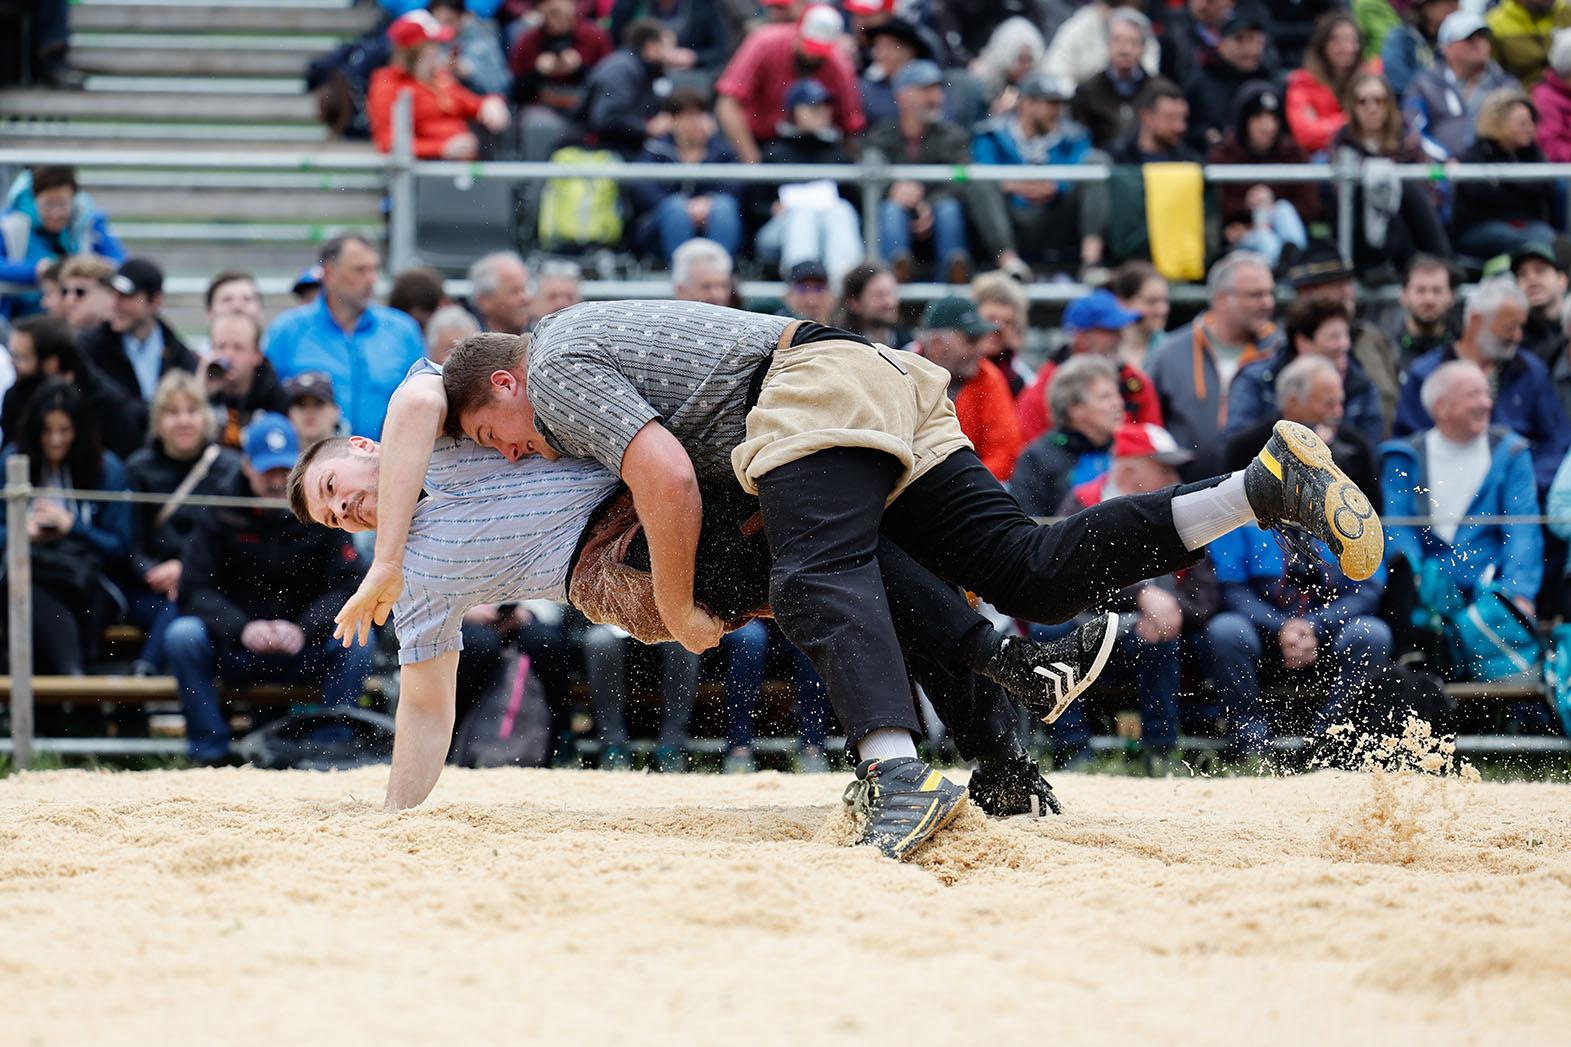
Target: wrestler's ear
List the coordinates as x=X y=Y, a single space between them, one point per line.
x=505 y=383
x=363 y=443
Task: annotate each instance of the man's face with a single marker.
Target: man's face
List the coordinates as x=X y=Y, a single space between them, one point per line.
x=55 y=207
x=270 y=483
x=707 y=283
x=1321 y=404
x=955 y=352
x=133 y=311
x=880 y=301
x=1262 y=130
x=1125 y=47
x=1098 y=341
x=1040 y=115
x=1543 y=284
x=1209 y=12
x=237 y=296
x=1428 y=296
x=811 y=300
x=556 y=293
x=1243 y=51
x=52 y=298
x=1167 y=122
x=1499 y=335
x=505 y=307
x=1464 y=412
x=924 y=102
x=23 y=359
x=1467 y=57
x=88 y=303
x=558 y=15
x=234 y=343
x=340 y=491
x=506 y=422
x=692 y=128
x=1002 y=315
x=350 y=281
x=1332 y=341
x=313 y=420
x=1142 y=475
x=891 y=54
x=814 y=119
x=1341 y=291
x=1247 y=306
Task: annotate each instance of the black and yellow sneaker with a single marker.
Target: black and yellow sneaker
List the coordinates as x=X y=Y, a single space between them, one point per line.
x=902 y=802
x=1012 y=785
x=1047 y=675
x=1293 y=483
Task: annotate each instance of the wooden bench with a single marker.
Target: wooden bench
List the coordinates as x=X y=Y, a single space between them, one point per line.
x=139 y=690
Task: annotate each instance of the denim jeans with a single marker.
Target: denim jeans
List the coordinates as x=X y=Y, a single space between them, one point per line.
x=1285 y=227
x=670 y=227
x=1238 y=645
x=605 y=665
x=1487 y=239
x=745 y=651
x=1152 y=669
x=153 y=614
x=948 y=234
x=832 y=237
x=197 y=670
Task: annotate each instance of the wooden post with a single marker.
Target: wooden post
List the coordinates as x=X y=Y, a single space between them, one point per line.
x=19 y=574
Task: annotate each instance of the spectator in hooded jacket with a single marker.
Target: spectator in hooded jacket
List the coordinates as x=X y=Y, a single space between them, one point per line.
x=1314 y=92
x=1085 y=400
x=1266 y=217
x=698 y=34
x=1411 y=48
x=672 y=213
x=1443 y=103
x=551 y=63
x=1214 y=89
x=46 y=218
x=443 y=109
x=1552 y=96
x=1491 y=218
x=1106 y=104
x=1523 y=31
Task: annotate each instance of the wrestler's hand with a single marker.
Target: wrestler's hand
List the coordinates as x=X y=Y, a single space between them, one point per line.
x=699 y=632
x=372 y=602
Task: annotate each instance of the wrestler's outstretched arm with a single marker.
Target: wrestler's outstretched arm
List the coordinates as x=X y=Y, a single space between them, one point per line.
x=423 y=730
x=415 y=416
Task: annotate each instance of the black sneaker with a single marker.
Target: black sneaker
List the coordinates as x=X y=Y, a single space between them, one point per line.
x=1011 y=786
x=1047 y=676
x=902 y=802
x=1293 y=483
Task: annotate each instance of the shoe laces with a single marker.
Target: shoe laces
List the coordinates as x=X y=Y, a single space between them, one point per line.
x=861 y=795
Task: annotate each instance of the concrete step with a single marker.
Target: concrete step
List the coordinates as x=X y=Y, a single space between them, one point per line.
x=52 y=134
x=287 y=43
x=192 y=86
x=240 y=205
x=159 y=107
x=98 y=179
x=181 y=61
x=240 y=234
x=212 y=18
x=201 y=260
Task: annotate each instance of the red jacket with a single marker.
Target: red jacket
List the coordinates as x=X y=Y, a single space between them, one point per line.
x=561 y=91
x=1140 y=402
x=443 y=108
x=987 y=415
x=1552 y=95
x=1313 y=113
x=763 y=69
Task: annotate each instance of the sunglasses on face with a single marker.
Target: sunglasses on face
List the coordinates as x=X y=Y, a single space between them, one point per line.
x=76 y=292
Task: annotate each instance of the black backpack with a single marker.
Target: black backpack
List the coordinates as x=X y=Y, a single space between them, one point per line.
x=510 y=726
x=331 y=739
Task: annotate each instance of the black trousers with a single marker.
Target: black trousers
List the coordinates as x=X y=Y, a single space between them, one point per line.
x=823 y=516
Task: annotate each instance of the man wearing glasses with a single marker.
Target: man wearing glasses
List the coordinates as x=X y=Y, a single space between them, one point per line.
x=45 y=219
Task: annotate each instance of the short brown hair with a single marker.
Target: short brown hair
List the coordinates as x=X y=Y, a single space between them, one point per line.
x=1307 y=316
x=86 y=267
x=418 y=288
x=332 y=447
x=228 y=276
x=466 y=373
x=53 y=176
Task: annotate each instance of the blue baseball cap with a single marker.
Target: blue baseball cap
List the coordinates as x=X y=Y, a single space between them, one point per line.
x=805 y=92
x=1098 y=311
x=309 y=277
x=270 y=442
x=920 y=73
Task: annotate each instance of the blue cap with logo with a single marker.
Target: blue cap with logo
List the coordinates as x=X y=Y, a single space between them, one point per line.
x=920 y=73
x=806 y=92
x=270 y=442
x=1098 y=311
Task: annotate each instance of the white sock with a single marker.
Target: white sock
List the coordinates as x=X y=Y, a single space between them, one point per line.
x=1202 y=517
x=886 y=743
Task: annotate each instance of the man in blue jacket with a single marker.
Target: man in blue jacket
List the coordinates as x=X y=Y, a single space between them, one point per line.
x=46 y=219
x=364 y=348
x=1523 y=396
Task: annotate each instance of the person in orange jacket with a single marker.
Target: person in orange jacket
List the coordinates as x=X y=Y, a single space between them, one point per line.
x=444 y=109
x=954 y=337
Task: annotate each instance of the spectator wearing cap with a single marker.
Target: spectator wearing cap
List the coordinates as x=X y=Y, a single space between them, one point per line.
x=241 y=382
x=1085 y=399
x=1264 y=217
x=1540 y=272
x=953 y=337
x=1443 y=103
x=870 y=305
x=1413 y=46
x=1524 y=398
x=1493 y=217
x=1055 y=222
x=914 y=213
x=417 y=293
x=258 y=592
x=1155 y=616
x=672 y=213
x=1079 y=49
x=1428 y=306
x=1095 y=325
x=800 y=224
x=134 y=350
x=1214 y=89
x=1321 y=273
x=622 y=97
x=1106 y=104
x=1315 y=91
x=699 y=40
x=1315 y=327
x=443 y=108
x=551 y=62
x=1552 y=97
x=894 y=44
x=313 y=411
x=750 y=95
x=808 y=295
x=1523 y=31
x=1193 y=366
x=46 y=218
x=701 y=272
x=365 y=348
x=307 y=285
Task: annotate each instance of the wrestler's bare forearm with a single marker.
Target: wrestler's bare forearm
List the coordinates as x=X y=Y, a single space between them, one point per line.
x=664 y=486
x=415 y=417
x=423 y=729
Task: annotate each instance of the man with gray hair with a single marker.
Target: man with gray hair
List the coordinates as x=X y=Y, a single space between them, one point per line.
x=557 y=287
x=701 y=272
x=1106 y=104
x=1192 y=368
x=447 y=327
x=499 y=292
x=1087 y=411
x=1524 y=398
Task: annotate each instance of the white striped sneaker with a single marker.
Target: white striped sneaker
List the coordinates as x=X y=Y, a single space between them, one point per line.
x=1048 y=676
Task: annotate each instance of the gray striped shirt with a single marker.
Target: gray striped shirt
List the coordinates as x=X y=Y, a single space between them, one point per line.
x=488 y=531
x=599 y=372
